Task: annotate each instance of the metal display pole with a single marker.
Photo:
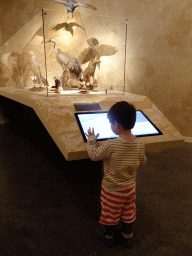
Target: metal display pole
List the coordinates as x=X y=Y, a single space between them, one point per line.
x=44 y=13
x=125 y=56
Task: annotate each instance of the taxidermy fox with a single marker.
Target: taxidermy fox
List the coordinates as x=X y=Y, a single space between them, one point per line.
x=90 y=70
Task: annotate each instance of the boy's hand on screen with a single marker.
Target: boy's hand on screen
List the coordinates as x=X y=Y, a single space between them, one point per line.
x=91 y=132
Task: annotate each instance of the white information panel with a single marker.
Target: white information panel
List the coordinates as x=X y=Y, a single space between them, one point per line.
x=100 y=123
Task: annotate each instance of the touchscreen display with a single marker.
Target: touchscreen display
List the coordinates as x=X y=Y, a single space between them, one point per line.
x=100 y=123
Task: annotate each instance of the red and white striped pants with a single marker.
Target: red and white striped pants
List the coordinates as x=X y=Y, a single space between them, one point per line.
x=118 y=205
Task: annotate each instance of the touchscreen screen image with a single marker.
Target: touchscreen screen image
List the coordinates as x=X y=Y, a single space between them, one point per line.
x=101 y=125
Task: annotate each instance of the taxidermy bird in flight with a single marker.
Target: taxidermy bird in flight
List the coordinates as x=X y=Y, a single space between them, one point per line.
x=72 y=4
x=95 y=49
x=67 y=26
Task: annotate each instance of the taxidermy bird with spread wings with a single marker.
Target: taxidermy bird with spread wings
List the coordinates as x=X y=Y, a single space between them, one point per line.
x=23 y=66
x=71 y=5
x=95 y=49
x=18 y=66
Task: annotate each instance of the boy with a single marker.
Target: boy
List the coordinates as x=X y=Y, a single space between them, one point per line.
x=121 y=157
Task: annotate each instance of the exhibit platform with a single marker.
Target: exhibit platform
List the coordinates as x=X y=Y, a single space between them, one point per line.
x=57 y=113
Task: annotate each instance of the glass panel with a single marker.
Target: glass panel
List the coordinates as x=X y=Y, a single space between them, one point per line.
x=22 y=63
x=85 y=40
x=85 y=47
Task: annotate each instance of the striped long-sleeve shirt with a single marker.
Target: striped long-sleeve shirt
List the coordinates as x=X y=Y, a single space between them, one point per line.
x=121 y=160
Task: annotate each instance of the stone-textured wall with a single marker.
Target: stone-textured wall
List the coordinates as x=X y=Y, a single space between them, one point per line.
x=14 y=14
x=158 y=59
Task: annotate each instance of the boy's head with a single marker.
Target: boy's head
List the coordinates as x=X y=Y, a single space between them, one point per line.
x=124 y=114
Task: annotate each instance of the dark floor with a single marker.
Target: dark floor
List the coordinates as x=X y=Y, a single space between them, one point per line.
x=49 y=206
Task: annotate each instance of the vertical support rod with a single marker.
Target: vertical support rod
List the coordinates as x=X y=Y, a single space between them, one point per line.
x=125 y=56
x=44 y=13
x=86 y=35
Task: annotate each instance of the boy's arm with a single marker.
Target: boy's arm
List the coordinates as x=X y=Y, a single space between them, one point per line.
x=142 y=156
x=98 y=153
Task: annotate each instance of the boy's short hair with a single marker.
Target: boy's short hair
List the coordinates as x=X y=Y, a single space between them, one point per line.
x=123 y=113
